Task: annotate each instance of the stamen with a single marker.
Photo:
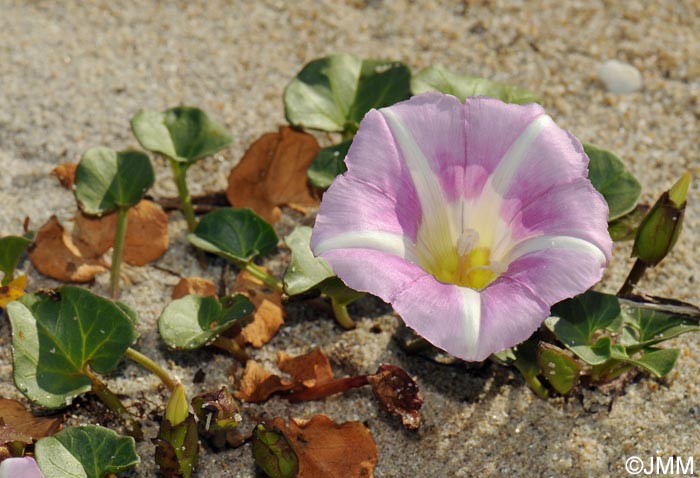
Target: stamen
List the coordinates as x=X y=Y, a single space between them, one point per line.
x=467 y=241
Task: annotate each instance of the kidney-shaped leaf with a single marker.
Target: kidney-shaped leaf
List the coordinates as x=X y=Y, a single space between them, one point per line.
x=305 y=271
x=11 y=249
x=334 y=93
x=106 y=179
x=56 y=335
x=328 y=163
x=577 y=320
x=88 y=451
x=437 y=78
x=644 y=326
x=609 y=176
x=195 y=320
x=235 y=234
x=184 y=134
x=559 y=369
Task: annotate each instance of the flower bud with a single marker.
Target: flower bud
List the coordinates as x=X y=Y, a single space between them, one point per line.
x=176 y=411
x=659 y=230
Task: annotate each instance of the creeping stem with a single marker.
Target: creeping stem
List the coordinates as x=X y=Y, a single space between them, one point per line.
x=258 y=272
x=634 y=276
x=341 y=314
x=151 y=366
x=113 y=403
x=118 y=250
x=180 y=173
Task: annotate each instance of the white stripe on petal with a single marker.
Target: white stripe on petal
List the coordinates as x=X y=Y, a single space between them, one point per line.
x=543 y=242
x=471 y=305
x=388 y=242
x=504 y=173
x=436 y=217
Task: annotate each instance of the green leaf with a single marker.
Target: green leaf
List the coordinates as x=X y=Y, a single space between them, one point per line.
x=525 y=355
x=333 y=93
x=87 y=451
x=11 y=250
x=624 y=228
x=235 y=234
x=559 y=369
x=645 y=326
x=437 y=78
x=57 y=335
x=576 y=322
x=305 y=271
x=184 y=134
x=659 y=362
x=106 y=179
x=193 y=321
x=609 y=176
x=328 y=163
x=273 y=452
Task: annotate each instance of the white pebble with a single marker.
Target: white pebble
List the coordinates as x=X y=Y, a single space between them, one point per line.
x=620 y=77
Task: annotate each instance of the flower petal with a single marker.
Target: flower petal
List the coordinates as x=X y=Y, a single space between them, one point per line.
x=510 y=312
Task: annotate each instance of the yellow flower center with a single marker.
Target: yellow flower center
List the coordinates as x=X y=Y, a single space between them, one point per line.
x=467 y=264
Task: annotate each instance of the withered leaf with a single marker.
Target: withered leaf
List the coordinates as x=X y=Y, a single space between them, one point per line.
x=217 y=410
x=326 y=449
x=309 y=370
x=273 y=173
x=269 y=314
x=13 y=290
x=257 y=384
x=194 y=285
x=15 y=416
x=398 y=394
x=54 y=254
x=146 y=233
x=65 y=172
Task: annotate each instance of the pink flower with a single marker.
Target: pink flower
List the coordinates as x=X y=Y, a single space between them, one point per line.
x=472 y=219
x=20 y=468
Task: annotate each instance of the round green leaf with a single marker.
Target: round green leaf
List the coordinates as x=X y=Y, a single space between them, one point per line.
x=184 y=134
x=559 y=369
x=193 y=320
x=658 y=362
x=609 y=176
x=437 y=78
x=328 y=163
x=624 y=228
x=106 y=179
x=56 y=335
x=235 y=234
x=11 y=249
x=334 y=93
x=305 y=271
x=88 y=451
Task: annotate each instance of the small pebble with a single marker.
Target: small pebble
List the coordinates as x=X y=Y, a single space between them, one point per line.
x=619 y=77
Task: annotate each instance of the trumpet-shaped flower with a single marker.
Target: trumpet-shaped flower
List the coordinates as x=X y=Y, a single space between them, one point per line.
x=20 y=468
x=471 y=219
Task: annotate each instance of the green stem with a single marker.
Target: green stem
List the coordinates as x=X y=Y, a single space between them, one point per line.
x=180 y=173
x=151 y=366
x=341 y=314
x=113 y=403
x=634 y=276
x=118 y=251
x=258 y=272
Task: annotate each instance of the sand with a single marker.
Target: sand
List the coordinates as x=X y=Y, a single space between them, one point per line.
x=72 y=74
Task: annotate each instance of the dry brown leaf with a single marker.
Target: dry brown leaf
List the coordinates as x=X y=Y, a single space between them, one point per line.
x=12 y=291
x=272 y=173
x=65 y=172
x=18 y=418
x=269 y=314
x=398 y=394
x=309 y=370
x=194 y=285
x=326 y=449
x=257 y=384
x=54 y=254
x=146 y=233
